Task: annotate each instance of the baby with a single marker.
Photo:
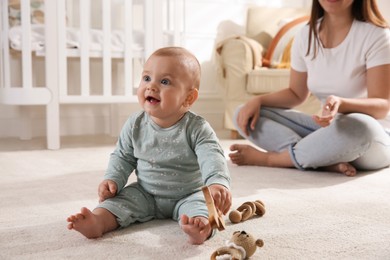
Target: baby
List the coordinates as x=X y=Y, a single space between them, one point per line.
x=173 y=152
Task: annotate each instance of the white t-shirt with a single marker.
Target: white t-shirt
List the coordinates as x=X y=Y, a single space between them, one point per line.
x=341 y=71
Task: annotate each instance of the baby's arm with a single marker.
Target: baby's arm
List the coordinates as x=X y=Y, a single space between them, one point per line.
x=222 y=197
x=213 y=165
x=122 y=160
x=107 y=189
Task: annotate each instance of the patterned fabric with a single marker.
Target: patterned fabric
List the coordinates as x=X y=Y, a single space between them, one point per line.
x=285 y=62
x=169 y=162
x=37 y=12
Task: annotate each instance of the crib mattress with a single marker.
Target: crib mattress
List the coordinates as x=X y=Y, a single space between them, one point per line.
x=73 y=41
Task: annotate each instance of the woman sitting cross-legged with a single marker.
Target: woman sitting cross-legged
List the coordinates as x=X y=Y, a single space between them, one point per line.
x=342 y=56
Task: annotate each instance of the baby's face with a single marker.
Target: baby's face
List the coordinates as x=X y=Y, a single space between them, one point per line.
x=164 y=89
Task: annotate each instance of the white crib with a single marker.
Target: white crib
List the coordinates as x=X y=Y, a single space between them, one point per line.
x=61 y=42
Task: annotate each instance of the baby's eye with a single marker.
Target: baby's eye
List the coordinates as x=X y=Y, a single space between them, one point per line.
x=146 y=78
x=165 y=82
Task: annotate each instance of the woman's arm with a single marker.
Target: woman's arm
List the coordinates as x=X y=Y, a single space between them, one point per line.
x=377 y=103
x=289 y=97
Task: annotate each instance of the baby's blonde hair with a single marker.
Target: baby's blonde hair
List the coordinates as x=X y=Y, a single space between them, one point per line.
x=189 y=61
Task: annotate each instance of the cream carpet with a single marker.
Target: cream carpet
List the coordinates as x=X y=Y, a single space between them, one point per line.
x=310 y=215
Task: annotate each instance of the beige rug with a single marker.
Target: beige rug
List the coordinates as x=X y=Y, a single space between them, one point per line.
x=310 y=215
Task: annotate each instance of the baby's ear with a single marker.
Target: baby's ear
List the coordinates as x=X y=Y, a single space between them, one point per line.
x=191 y=97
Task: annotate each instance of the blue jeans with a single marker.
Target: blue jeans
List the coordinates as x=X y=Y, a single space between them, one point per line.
x=355 y=138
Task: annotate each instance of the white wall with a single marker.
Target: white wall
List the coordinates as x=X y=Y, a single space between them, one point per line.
x=208 y=21
x=384 y=7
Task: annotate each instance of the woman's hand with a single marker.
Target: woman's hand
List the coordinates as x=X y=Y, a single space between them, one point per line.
x=329 y=111
x=222 y=197
x=107 y=189
x=249 y=114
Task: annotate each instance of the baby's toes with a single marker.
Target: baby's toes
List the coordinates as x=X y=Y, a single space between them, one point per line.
x=70 y=226
x=71 y=218
x=201 y=224
x=80 y=216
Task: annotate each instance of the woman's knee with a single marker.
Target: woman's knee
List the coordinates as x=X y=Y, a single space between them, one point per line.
x=369 y=130
x=358 y=126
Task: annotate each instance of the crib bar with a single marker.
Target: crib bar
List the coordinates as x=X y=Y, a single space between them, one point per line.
x=177 y=14
x=85 y=18
x=52 y=72
x=61 y=43
x=149 y=18
x=128 y=52
x=154 y=23
x=6 y=74
x=106 y=9
x=1 y=47
x=98 y=99
x=26 y=45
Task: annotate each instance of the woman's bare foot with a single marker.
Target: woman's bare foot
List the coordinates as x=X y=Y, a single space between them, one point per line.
x=92 y=224
x=243 y=154
x=344 y=168
x=198 y=229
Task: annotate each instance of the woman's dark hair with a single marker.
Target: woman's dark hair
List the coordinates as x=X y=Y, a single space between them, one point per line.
x=362 y=10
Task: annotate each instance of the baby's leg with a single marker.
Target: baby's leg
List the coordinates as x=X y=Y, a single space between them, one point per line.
x=93 y=224
x=198 y=229
x=192 y=214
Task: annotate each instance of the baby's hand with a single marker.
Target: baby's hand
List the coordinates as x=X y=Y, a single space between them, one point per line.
x=222 y=197
x=107 y=189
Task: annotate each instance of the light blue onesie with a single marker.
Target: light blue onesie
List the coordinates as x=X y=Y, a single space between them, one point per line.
x=171 y=164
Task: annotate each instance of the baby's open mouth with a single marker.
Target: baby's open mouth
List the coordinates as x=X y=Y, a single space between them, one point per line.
x=152 y=100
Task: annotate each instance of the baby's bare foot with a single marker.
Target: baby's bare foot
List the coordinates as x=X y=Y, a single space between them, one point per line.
x=198 y=229
x=344 y=168
x=86 y=223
